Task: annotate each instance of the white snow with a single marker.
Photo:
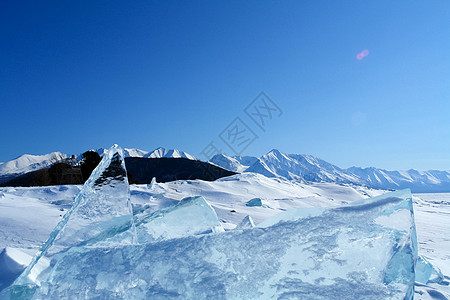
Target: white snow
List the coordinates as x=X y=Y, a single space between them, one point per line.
x=28 y=215
x=432 y=213
x=301 y=167
x=27 y=163
x=169 y=153
x=230 y=163
x=157 y=153
x=12 y=262
x=134 y=152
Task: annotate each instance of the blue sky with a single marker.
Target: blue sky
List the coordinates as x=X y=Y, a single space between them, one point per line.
x=86 y=74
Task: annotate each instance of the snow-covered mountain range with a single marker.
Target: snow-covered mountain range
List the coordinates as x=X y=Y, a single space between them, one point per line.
x=301 y=167
x=28 y=163
x=297 y=167
x=236 y=163
x=170 y=153
x=159 y=152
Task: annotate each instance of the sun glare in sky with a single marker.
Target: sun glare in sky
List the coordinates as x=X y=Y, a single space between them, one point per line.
x=362 y=54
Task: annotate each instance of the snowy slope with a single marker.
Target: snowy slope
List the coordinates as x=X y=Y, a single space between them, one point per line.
x=233 y=163
x=426 y=181
x=229 y=195
x=296 y=166
x=27 y=214
x=27 y=163
x=12 y=263
x=157 y=153
x=127 y=152
x=169 y=153
x=134 y=152
x=300 y=167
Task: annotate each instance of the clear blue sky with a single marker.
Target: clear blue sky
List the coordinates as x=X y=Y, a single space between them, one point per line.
x=76 y=75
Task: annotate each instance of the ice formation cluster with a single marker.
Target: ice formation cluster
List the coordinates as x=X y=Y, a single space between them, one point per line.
x=100 y=250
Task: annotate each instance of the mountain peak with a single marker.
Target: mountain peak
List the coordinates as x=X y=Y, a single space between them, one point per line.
x=169 y=153
x=236 y=163
x=134 y=152
x=29 y=162
x=275 y=152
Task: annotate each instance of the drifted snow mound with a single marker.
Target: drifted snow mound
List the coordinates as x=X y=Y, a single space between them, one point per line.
x=12 y=263
x=366 y=250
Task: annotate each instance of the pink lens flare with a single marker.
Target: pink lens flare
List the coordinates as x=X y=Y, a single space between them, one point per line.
x=363 y=54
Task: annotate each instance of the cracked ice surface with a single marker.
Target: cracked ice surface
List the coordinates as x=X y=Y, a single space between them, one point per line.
x=363 y=251
x=101 y=208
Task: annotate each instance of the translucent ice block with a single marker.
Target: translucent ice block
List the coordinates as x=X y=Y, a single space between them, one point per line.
x=102 y=207
x=362 y=251
x=427 y=273
x=254 y=202
x=246 y=223
x=190 y=216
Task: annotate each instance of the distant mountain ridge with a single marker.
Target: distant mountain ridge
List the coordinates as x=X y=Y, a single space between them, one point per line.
x=159 y=152
x=29 y=163
x=298 y=167
x=236 y=163
x=168 y=153
x=301 y=167
x=417 y=181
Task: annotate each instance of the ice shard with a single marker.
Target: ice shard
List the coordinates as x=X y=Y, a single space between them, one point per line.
x=246 y=223
x=427 y=273
x=366 y=250
x=151 y=184
x=191 y=216
x=254 y=202
x=100 y=209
